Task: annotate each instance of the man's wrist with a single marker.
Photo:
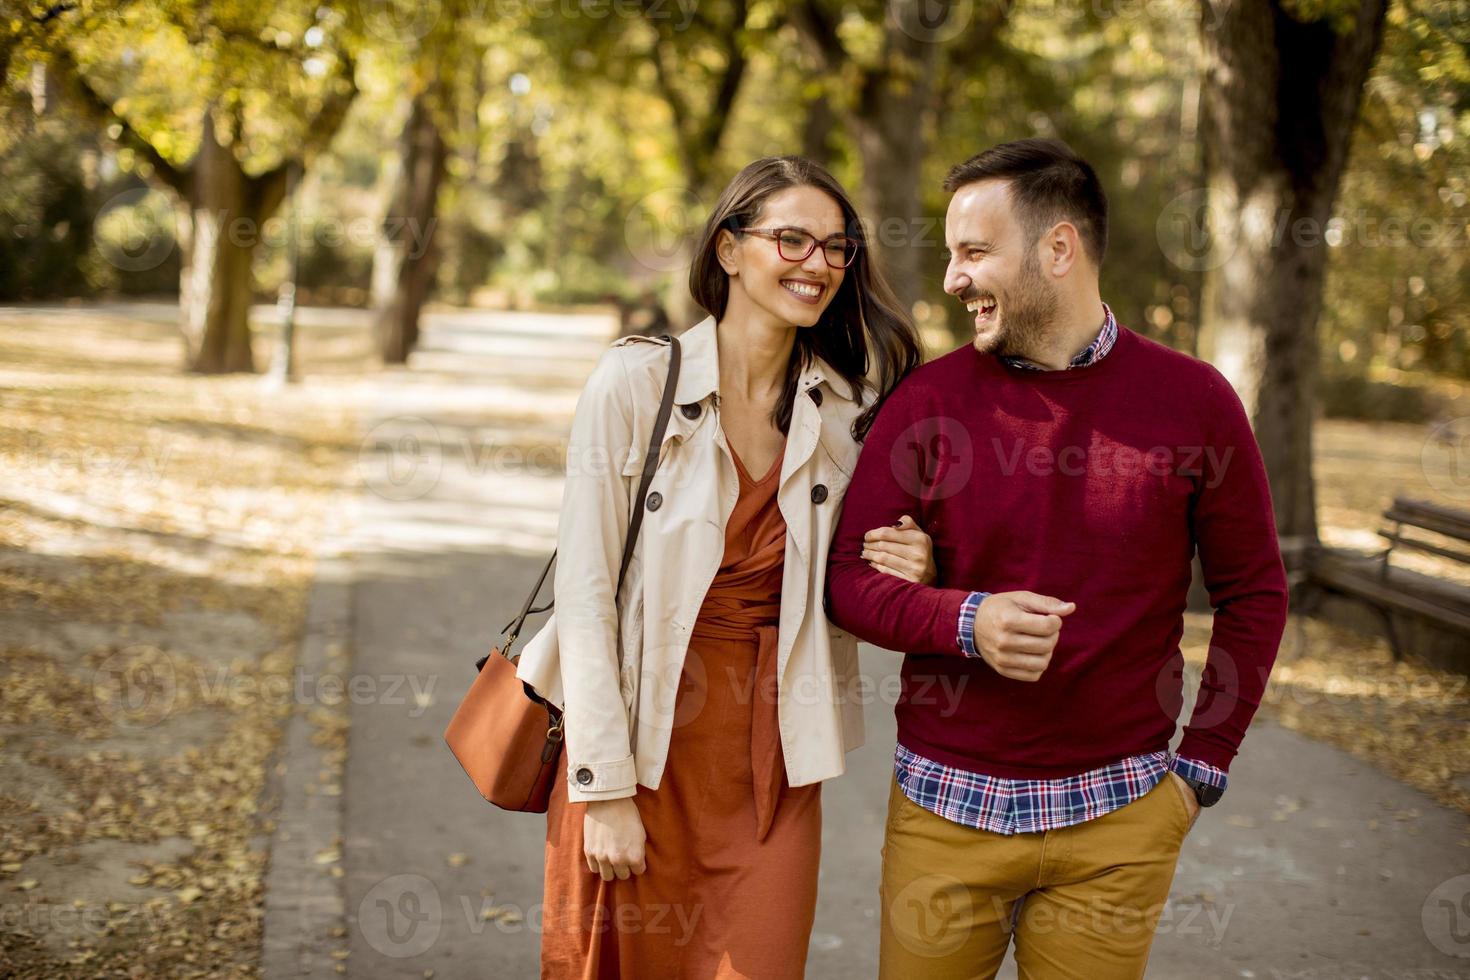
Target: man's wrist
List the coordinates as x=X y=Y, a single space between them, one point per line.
x=1207 y=781
x=965 y=637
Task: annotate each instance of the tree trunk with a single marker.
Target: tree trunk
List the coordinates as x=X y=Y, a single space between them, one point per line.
x=891 y=117
x=892 y=147
x=406 y=256
x=817 y=130
x=1279 y=105
x=227 y=210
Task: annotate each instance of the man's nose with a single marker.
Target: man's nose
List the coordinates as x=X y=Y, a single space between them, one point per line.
x=955 y=281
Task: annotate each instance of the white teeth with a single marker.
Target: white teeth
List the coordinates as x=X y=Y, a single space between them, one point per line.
x=987 y=305
x=803 y=288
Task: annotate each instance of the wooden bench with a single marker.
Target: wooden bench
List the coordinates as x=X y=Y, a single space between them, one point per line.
x=1396 y=592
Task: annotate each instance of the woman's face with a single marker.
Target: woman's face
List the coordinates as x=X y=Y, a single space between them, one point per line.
x=794 y=293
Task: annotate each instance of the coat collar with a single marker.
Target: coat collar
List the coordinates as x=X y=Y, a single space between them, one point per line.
x=699 y=370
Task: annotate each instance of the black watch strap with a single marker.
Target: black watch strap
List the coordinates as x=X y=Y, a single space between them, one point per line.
x=1206 y=793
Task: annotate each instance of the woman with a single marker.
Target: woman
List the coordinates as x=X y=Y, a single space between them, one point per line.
x=707 y=699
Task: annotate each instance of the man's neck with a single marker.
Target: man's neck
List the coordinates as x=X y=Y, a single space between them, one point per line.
x=1061 y=346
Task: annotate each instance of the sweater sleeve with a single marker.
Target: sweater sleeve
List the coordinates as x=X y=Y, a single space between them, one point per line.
x=1234 y=530
x=883 y=609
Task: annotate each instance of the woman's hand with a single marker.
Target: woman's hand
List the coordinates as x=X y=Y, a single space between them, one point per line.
x=613 y=838
x=905 y=551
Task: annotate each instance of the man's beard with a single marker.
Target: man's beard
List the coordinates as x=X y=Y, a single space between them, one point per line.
x=1028 y=311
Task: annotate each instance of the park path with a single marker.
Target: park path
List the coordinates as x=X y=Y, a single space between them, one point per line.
x=1315 y=865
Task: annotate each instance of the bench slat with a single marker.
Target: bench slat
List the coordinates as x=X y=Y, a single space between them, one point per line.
x=1366 y=583
x=1448 y=521
x=1407 y=542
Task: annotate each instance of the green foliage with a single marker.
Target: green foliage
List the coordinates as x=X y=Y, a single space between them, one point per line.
x=568 y=154
x=1398 y=293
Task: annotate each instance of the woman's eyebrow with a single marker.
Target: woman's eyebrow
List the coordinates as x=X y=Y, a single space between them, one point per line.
x=794 y=226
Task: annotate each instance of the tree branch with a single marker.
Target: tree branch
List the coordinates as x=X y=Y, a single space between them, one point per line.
x=93 y=103
x=818 y=32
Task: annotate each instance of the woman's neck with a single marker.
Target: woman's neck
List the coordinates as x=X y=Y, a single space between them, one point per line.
x=754 y=351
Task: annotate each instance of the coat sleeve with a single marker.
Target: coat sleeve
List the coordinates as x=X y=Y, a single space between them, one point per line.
x=592 y=528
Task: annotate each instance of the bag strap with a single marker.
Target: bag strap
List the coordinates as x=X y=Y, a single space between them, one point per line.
x=650 y=464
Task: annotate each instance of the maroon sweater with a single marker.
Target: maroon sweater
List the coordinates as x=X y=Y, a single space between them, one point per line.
x=1096 y=486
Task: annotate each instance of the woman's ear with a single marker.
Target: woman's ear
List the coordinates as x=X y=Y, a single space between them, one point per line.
x=725 y=248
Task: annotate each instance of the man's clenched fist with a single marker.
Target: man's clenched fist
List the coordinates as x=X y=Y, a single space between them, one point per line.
x=1017 y=631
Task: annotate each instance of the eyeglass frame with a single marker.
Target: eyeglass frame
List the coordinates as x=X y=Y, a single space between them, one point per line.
x=774 y=234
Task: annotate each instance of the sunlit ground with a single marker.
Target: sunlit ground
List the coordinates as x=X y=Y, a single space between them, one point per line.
x=158 y=527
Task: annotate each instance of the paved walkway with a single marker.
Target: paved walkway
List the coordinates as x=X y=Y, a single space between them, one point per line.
x=1315 y=865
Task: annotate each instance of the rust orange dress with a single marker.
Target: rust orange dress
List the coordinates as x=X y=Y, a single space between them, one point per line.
x=730 y=888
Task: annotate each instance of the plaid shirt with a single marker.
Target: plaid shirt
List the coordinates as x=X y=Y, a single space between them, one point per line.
x=1023 y=806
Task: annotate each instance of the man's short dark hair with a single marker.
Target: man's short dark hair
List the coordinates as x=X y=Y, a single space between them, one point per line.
x=1048 y=183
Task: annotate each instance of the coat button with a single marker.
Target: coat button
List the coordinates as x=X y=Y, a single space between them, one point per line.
x=584 y=775
x=690 y=411
x=819 y=493
x=655 y=500
x=816 y=394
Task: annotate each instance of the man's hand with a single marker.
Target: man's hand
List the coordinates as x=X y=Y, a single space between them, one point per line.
x=613 y=838
x=1191 y=802
x=1016 y=632
x=905 y=551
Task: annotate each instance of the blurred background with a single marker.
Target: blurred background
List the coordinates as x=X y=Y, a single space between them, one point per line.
x=295 y=303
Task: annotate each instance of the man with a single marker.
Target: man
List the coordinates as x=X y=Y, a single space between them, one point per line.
x=1067 y=470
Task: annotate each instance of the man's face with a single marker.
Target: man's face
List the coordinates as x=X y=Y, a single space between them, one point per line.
x=995 y=271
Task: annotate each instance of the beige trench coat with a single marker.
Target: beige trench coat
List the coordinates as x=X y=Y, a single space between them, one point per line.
x=615 y=669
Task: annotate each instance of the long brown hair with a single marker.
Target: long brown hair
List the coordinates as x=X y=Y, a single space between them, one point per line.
x=863 y=325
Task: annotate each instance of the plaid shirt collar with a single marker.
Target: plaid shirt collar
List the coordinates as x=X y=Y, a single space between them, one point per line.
x=1090 y=354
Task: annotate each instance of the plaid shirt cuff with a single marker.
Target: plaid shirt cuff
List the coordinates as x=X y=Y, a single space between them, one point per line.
x=1200 y=771
x=966 y=636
